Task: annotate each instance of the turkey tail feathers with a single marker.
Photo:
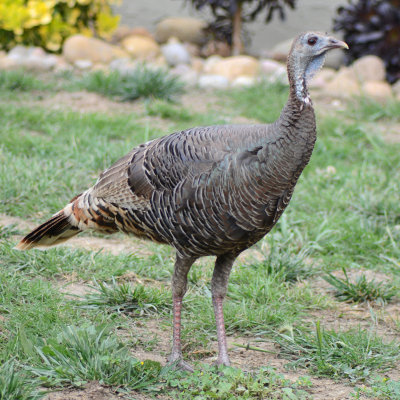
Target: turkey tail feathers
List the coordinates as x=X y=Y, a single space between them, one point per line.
x=54 y=231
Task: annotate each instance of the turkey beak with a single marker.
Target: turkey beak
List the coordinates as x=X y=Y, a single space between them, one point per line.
x=333 y=43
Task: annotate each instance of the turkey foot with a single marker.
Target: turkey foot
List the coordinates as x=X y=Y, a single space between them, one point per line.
x=177 y=362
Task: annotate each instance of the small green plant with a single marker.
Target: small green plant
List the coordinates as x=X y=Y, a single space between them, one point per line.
x=168 y=111
x=139 y=300
x=20 y=81
x=381 y=388
x=361 y=290
x=351 y=354
x=226 y=383
x=15 y=384
x=107 y=84
x=142 y=82
x=290 y=268
x=79 y=355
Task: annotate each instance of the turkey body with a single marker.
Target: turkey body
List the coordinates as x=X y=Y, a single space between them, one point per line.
x=206 y=191
x=212 y=190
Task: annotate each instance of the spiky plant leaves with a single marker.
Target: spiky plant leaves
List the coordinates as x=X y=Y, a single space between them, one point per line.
x=92 y=353
x=372 y=27
x=361 y=290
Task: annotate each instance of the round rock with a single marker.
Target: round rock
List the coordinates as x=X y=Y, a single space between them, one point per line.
x=233 y=67
x=184 y=29
x=369 y=68
x=79 y=47
x=141 y=47
x=213 y=81
x=269 y=66
x=343 y=84
x=175 y=53
x=380 y=91
x=185 y=74
x=34 y=58
x=243 y=81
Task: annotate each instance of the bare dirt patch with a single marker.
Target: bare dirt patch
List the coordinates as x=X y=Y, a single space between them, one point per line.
x=84 y=102
x=151 y=339
x=7 y=220
x=383 y=318
x=88 y=102
x=74 y=290
x=92 y=391
x=127 y=244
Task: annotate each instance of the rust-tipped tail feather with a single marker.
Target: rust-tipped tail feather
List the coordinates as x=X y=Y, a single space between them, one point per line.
x=54 y=231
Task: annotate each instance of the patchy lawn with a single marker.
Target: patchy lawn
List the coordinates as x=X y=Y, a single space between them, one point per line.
x=106 y=300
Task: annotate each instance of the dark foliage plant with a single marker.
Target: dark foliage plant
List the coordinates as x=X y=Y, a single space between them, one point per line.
x=372 y=27
x=230 y=14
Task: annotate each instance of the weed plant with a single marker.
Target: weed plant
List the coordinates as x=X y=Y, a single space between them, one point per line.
x=225 y=383
x=142 y=82
x=290 y=268
x=352 y=354
x=15 y=384
x=139 y=300
x=361 y=290
x=381 y=388
x=92 y=353
x=20 y=80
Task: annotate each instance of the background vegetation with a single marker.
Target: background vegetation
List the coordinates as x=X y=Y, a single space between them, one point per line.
x=47 y=23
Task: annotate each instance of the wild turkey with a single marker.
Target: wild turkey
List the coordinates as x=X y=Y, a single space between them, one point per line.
x=212 y=190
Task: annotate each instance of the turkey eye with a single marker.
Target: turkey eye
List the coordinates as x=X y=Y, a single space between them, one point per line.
x=312 y=41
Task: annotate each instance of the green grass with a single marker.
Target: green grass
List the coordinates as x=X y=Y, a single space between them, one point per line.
x=80 y=355
x=351 y=354
x=16 y=384
x=138 y=300
x=371 y=110
x=21 y=81
x=61 y=261
x=263 y=101
x=142 y=82
x=65 y=150
x=344 y=213
x=169 y=111
x=361 y=290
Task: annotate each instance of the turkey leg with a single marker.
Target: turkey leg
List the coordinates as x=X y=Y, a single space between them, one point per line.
x=179 y=287
x=219 y=285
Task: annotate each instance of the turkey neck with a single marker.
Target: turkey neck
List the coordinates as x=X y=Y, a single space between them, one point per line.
x=296 y=123
x=291 y=141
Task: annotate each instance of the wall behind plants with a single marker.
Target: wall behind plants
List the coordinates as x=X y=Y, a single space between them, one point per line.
x=309 y=15
x=47 y=23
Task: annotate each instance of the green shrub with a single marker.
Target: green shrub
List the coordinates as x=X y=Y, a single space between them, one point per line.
x=92 y=353
x=47 y=23
x=142 y=82
x=361 y=290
